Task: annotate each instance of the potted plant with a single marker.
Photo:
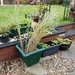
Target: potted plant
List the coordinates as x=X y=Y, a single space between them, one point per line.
x=65 y=43
x=23 y=23
x=32 y=51
x=50 y=48
x=18 y=21
x=4 y=33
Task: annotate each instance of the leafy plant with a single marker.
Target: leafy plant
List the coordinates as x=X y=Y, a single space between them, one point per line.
x=43 y=8
x=62 y=41
x=25 y=21
x=29 y=34
x=54 y=42
x=4 y=29
x=66 y=41
x=43 y=26
x=44 y=45
x=4 y=34
x=59 y=39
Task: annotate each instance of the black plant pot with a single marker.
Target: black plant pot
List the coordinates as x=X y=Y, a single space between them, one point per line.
x=64 y=47
x=4 y=39
x=11 y=35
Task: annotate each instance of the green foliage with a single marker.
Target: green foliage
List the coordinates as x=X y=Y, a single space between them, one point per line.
x=44 y=45
x=54 y=42
x=62 y=41
x=4 y=28
x=5 y=34
x=42 y=27
x=25 y=21
x=30 y=34
x=43 y=8
x=59 y=39
x=22 y=22
x=66 y=41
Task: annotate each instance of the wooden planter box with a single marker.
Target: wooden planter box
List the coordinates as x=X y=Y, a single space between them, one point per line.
x=52 y=36
x=69 y=30
x=8 y=51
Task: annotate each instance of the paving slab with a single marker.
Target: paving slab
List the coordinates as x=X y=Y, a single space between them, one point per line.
x=71 y=73
x=36 y=69
x=44 y=59
x=70 y=53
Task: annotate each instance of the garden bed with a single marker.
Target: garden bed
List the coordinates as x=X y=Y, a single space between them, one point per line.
x=68 y=28
x=52 y=36
x=54 y=65
x=8 y=50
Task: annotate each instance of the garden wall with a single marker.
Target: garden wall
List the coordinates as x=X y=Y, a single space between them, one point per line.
x=8 y=50
x=69 y=30
x=8 y=53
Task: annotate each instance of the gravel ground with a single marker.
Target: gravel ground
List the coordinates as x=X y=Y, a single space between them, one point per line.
x=56 y=65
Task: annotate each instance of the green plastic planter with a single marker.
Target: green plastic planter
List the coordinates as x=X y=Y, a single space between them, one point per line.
x=23 y=25
x=32 y=57
x=15 y=32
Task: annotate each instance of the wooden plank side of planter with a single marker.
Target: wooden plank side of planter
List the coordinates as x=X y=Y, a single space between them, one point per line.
x=66 y=27
x=48 y=38
x=73 y=26
x=72 y=37
x=8 y=53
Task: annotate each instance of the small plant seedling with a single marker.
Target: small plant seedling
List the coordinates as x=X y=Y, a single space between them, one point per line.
x=44 y=45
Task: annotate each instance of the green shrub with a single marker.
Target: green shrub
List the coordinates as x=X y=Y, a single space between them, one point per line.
x=25 y=21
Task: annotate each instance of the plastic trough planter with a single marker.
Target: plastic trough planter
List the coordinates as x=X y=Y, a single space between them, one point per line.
x=31 y=58
x=50 y=50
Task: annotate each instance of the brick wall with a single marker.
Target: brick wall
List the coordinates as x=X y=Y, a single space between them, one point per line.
x=49 y=38
x=8 y=53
